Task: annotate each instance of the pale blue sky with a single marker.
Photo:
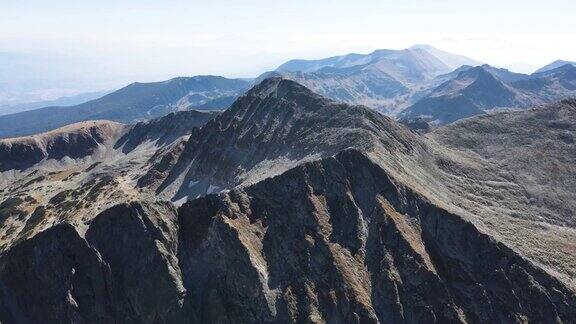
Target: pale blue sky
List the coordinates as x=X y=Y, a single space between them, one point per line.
x=150 y=40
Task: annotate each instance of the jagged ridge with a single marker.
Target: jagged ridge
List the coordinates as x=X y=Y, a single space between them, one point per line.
x=336 y=240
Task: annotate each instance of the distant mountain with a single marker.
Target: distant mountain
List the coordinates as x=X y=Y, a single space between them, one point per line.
x=554 y=65
x=505 y=75
x=477 y=90
x=63 y=101
x=344 y=61
x=470 y=93
x=385 y=80
x=444 y=60
x=409 y=66
x=550 y=85
x=454 y=61
x=136 y=102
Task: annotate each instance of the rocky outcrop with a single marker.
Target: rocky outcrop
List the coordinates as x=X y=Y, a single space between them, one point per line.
x=139 y=243
x=276 y=125
x=340 y=241
x=124 y=271
x=55 y=277
x=336 y=241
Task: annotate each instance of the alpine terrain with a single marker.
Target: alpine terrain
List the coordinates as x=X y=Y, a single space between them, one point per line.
x=292 y=207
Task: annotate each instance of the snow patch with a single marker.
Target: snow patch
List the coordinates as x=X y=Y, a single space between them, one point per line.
x=180 y=201
x=212 y=189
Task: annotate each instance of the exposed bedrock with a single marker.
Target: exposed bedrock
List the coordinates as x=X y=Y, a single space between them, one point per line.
x=336 y=240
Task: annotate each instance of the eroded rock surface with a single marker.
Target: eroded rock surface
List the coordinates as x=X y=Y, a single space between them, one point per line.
x=340 y=241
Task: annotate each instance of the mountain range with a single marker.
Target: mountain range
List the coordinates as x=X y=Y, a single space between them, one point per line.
x=418 y=85
x=293 y=207
x=481 y=89
x=135 y=102
x=386 y=80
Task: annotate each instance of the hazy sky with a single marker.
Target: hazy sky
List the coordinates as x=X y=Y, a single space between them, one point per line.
x=152 y=40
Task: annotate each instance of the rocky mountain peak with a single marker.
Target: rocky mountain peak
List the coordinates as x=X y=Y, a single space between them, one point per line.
x=277 y=86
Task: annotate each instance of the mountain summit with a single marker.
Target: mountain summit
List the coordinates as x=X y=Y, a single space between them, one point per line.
x=554 y=65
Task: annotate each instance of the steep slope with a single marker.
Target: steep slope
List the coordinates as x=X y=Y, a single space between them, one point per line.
x=274 y=126
x=138 y=101
x=71 y=174
x=123 y=270
x=335 y=240
x=164 y=130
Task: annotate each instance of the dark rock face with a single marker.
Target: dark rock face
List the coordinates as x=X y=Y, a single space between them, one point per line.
x=124 y=271
x=336 y=241
x=55 y=277
x=339 y=241
x=162 y=162
x=21 y=155
x=139 y=244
